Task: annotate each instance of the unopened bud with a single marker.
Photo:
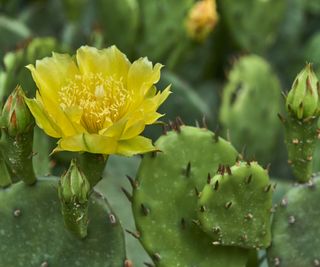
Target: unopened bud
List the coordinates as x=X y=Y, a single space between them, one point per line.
x=202 y=19
x=74 y=186
x=303 y=98
x=16 y=117
x=74 y=190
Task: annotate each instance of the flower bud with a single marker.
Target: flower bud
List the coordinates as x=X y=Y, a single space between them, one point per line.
x=16 y=117
x=74 y=186
x=303 y=98
x=202 y=19
x=74 y=190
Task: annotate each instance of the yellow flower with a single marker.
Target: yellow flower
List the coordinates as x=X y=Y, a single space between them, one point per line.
x=202 y=19
x=99 y=103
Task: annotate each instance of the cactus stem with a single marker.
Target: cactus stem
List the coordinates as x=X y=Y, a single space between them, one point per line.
x=127 y=194
x=134 y=234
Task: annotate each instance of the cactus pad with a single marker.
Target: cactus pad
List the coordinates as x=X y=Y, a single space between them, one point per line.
x=32 y=232
x=165 y=200
x=295 y=228
x=235 y=207
x=250 y=103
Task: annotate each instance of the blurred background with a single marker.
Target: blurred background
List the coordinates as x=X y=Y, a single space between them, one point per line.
x=228 y=62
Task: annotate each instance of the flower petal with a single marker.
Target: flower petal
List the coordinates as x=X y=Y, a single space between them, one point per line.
x=133 y=128
x=92 y=143
x=67 y=125
x=110 y=61
x=115 y=130
x=42 y=118
x=136 y=145
x=51 y=73
x=142 y=75
x=150 y=106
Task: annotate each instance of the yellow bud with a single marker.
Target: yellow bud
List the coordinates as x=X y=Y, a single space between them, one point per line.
x=202 y=19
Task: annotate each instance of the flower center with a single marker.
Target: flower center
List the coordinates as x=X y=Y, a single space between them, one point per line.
x=100 y=100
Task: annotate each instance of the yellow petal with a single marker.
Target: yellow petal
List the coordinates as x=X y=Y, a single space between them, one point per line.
x=150 y=106
x=134 y=127
x=42 y=118
x=92 y=143
x=142 y=75
x=51 y=73
x=110 y=61
x=67 y=126
x=115 y=130
x=74 y=113
x=136 y=145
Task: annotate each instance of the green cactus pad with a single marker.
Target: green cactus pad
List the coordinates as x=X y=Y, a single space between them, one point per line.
x=250 y=103
x=235 y=207
x=32 y=232
x=165 y=200
x=295 y=228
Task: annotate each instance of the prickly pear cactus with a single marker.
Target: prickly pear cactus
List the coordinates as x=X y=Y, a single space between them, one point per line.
x=295 y=228
x=235 y=207
x=33 y=234
x=250 y=103
x=165 y=200
x=252 y=22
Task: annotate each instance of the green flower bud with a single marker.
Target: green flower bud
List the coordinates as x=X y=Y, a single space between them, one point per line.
x=74 y=190
x=303 y=98
x=16 y=117
x=74 y=186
